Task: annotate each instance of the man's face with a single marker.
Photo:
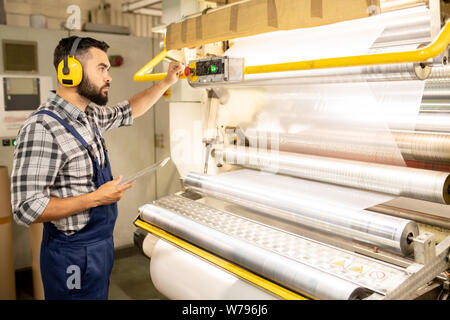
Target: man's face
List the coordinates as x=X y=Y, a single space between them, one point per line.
x=96 y=79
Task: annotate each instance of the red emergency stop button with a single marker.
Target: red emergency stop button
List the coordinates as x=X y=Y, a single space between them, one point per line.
x=187 y=71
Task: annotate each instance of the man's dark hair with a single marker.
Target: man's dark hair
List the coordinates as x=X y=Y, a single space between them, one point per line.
x=65 y=44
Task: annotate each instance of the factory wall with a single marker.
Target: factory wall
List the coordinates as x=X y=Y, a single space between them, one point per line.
x=130 y=149
x=19 y=12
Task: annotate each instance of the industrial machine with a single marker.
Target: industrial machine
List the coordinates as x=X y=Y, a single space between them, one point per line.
x=324 y=172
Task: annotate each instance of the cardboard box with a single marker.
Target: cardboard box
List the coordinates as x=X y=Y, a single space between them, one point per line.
x=259 y=16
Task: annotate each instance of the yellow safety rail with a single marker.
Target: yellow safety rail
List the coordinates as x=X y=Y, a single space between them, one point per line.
x=142 y=74
x=420 y=55
x=267 y=285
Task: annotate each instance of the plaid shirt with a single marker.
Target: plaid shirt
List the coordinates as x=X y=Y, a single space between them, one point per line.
x=50 y=162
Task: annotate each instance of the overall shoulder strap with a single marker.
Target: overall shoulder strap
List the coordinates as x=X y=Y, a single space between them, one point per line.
x=70 y=129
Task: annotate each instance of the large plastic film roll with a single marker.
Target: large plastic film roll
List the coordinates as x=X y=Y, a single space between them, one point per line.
x=301 y=202
x=414 y=183
x=7 y=275
x=180 y=275
x=290 y=273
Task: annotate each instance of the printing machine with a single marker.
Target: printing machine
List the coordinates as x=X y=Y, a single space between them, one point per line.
x=311 y=214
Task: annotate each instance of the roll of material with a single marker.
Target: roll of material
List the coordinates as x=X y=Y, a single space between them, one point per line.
x=281 y=198
x=7 y=275
x=400 y=181
x=149 y=243
x=36 y=230
x=278 y=268
x=180 y=275
x=366 y=146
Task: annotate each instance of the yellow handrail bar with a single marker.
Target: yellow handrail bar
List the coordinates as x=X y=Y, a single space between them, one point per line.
x=142 y=74
x=419 y=55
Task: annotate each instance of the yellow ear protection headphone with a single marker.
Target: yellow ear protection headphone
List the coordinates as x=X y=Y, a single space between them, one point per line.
x=70 y=71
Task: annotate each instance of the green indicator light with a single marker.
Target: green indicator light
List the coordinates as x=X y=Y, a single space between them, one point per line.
x=14 y=142
x=213 y=68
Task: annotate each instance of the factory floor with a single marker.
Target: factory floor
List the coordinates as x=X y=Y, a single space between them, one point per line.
x=130 y=278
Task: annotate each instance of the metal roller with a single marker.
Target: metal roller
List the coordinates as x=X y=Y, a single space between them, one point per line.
x=421 y=217
x=379 y=147
x=422 y=146
x=360 y=146
x=431 y=121
x=375 y=73
x=441 y=106
x=400 y=181
x=433 y=93
x=270 y=195
x=437 y=86
x=439 y=76
x=384 y=72
x=276 y=267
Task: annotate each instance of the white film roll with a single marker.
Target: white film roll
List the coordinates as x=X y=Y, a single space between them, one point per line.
x=180 y=275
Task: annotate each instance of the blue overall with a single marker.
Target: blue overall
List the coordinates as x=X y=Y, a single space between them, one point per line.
x=78 y=266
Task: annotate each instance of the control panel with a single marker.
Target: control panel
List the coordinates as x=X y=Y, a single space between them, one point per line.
x=210 y=67
x=20 y=95
x=215 y=70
